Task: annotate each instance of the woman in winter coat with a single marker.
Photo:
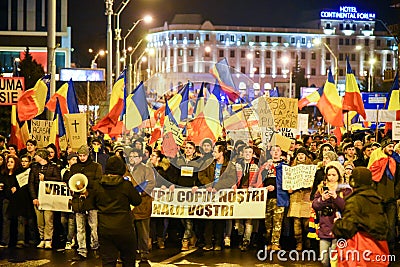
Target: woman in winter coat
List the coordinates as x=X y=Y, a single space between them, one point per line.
x=10 y=186
x=329 y=202
x=21 y=206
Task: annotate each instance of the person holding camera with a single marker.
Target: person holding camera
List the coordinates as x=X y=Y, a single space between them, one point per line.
x=329 y=202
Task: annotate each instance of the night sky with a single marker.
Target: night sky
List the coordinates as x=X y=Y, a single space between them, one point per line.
x=88 y=20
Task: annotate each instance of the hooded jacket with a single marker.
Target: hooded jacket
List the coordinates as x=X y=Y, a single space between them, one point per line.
x=112 y=198
x=363 y=212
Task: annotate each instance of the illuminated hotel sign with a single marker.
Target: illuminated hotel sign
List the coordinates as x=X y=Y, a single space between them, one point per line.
x=347 y=12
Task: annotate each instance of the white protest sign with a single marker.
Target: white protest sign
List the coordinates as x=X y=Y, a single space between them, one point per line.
x=396 y=130
x=300 y=176
x=224 y=204
x=236 y=135
x=54 y=196
x=40 y=131
x=288 y=132
x=302 y=123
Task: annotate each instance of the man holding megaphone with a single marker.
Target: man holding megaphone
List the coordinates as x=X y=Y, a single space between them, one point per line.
x=83 y=176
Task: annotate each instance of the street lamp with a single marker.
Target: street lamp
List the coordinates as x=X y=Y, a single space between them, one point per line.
x=372 y=61
x=285 y=60
x=101 y=53
x=318 y=41
x=129 y=80
x=146 y=19
x=118 y=36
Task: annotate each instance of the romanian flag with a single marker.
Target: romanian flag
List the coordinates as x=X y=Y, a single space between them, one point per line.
x=328 y=102
x=393 y=101
x=199 y=106
x=174 y=104
x=207 y=124
x=137 y=109
x=57 y=128
x=19 y=131
x=111 y=124
x=222 y=73
x=66 y=96
x=379 y=163
x=31 y=103
x=172 y=135
x=352 y=99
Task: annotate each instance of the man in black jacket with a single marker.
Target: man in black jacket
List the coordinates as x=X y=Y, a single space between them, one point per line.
x=112 y=198
x=82 y=204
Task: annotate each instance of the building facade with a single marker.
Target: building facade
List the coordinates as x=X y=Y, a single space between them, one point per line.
x=24 y=24
x=187 y=48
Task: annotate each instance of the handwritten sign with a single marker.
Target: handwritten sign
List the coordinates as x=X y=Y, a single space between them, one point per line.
x=300 y=176
x=396 y=130
x=54 y=196
x=224 y=204
x=302 y=123
x=76 y=128
x=40 y=130
x=277 y=111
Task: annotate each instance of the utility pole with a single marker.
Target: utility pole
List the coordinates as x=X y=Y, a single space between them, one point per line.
x=51 y=47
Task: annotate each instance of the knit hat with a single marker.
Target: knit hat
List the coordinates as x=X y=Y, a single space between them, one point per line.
x=84 y=149
x=328 y=145
x=43 y=153
x=361 y=176
x=72 y=155
x=115 y=165
x=337 y=165
x=331 y=155
x=206 y=140
x=302 y=150
x=386 y=141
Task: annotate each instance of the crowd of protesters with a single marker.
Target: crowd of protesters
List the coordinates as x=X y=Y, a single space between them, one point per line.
x=310 y=218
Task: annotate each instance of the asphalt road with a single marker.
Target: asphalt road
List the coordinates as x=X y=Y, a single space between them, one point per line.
x=171 y=256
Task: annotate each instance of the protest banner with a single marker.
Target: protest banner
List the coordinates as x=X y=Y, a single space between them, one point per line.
x=223 y=204
x=289 y=132
x=10 y=89
x=76 y=128
x=282 y=141
x=302 y=123
x=40 y=131
x=54 y=196
x=236 y=135
x=396 y=130
x=300 y=176
x=284 y=112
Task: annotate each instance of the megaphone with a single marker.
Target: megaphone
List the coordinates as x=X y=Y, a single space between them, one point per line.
x=78 y=183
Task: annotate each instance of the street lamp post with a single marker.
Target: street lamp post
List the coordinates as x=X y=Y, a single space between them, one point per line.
x=118 y=36
x=109 y=13
x=129 y=82
x=285 y=61
x=146 y=19
x=317 y=42
x=371 y=75
x=92 y=66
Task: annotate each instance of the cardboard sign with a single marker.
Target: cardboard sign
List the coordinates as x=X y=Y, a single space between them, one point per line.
x=10 y=90
x=224 y=204
x=40 y=131
x=75 y=125
x=282 y=141
x=277 y=112
x=300 y=176
x=54 y=196
x=396 y=130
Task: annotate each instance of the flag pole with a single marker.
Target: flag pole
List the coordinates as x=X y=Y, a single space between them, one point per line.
x=376 y=123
